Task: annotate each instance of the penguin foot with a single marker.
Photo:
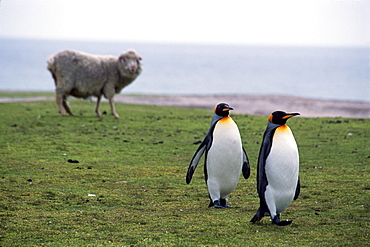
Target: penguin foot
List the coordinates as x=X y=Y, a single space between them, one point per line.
x=218 y=204
x=276 y=220
x=223 y=203
x=255 y=218
x=284 y=222
x=259 y=215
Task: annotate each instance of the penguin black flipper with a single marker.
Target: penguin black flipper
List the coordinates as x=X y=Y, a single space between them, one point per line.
x=246 y=168
x=204 y=147
x=297 y=190
x=195 y=160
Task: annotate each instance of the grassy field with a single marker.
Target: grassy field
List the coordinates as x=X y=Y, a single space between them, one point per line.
x=15 y=94
x=129 y=189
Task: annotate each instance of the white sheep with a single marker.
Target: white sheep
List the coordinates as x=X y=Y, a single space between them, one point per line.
x=83 y=75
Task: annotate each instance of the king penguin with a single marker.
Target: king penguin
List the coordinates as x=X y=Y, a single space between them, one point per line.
x=225 y=157
x=277 y=171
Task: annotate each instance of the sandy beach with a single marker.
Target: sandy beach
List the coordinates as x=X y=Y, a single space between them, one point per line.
x=261 y=105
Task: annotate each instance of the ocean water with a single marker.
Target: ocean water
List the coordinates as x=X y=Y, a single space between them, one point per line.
x=339 y=73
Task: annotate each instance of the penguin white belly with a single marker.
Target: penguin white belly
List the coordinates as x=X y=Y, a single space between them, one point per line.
x=281 y=168
x=224 y=159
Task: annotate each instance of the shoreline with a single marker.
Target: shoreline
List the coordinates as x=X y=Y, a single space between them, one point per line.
x=259 y=105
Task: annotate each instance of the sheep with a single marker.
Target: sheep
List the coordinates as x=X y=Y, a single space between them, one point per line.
x=83 y=75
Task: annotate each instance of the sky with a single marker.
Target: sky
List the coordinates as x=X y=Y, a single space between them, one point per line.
x=261 y=22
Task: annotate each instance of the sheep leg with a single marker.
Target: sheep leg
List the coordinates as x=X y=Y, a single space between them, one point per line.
x=66 y=106
x=59 y=100
x=112 y=107
x=97 y=107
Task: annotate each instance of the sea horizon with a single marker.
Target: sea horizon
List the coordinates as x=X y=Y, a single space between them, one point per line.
x=328 y=73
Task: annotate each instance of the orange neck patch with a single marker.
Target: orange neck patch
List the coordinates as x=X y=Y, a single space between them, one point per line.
x=283 y=129
x=225 y=119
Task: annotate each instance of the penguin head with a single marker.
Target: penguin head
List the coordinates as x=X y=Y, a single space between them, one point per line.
x=280 y=117
x=223 y=109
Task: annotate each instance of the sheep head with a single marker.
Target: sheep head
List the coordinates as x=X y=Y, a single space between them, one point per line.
x=129 y=64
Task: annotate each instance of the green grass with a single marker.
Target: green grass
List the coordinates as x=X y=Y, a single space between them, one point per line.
x=136 y=167
x=15 y=94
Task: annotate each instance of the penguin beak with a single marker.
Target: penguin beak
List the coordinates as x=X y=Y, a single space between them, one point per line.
x=227 y=109
x=289 y=115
